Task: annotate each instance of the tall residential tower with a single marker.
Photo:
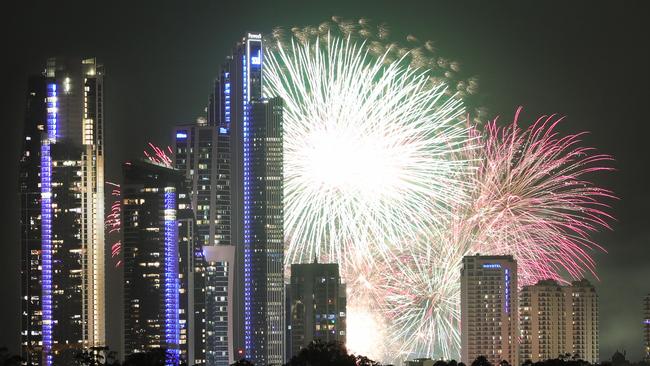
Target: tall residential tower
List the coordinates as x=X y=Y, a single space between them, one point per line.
x=559 y=320
x=316 y=306
x=62 y=212
x=543 y=315
x=159 y=247
x=249 y=203
x=582 y=325
x=234 y=162
x=489 y=321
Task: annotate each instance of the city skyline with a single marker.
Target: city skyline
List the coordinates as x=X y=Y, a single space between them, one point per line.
x=570 y=127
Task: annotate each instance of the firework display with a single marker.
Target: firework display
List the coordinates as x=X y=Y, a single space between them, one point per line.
x=368 y=147
x=529 y=198
x=386 y=175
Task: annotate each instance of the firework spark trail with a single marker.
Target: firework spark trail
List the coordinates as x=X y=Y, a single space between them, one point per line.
x=113 y=223
x=159 y=155
x=367 y=149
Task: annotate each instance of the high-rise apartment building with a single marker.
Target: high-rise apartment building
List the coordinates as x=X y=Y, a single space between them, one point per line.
x=559 y=320
x=582 y=325
x=489 y=320
x=543 y=316
x=646 y=327
x=245 y=211
x=316 y=306
x=196 y=155
x=162 y=308
x=62 y=212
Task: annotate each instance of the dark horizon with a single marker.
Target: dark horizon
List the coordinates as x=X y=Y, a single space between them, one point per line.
x=584 y=60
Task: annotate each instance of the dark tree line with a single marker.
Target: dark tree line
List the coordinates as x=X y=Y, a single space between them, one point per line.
x=317 y=353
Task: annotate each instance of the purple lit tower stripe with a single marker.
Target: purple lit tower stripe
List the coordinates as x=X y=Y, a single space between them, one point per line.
x=507 y=290
x=171 y=285
x=247 y=213
x=46 y=249
x=46 y=224
x=52 y=110
x=226 y=93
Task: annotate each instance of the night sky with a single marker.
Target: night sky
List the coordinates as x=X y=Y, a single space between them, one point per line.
x=585 y=60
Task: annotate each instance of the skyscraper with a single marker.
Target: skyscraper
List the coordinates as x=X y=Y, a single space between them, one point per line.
x=489 y=321
x=206 y=169
x=248 y=210
x=264 y=232
x=646 y=327
x=62 y=212
x=559 y=320
x=316 y=305
x=159 y=248
x=543 y=318
x=582 y=326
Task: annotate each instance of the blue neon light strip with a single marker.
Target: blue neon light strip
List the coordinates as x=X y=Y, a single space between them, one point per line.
x=52 y=105
x=226 y=96
x=46 y=250
x=507 y=290
x=52 y=111
x=248 y=344
x=181 y=135
x=171 y=285
x=492 y=265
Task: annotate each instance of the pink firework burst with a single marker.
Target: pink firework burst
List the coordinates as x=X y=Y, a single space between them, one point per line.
x=533 y=199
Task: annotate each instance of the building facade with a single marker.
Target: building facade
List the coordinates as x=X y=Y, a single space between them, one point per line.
x=159 y=248
x=543 y=319
x=582 y=324
x=558 y=321
x=316 y=306
x=62 y=212
x=246 y=213
x=489 y=309
x=196 y=155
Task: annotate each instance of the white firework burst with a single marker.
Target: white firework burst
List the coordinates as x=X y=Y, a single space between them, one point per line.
x=418 y=292
x=368 y=149
x=372 y=139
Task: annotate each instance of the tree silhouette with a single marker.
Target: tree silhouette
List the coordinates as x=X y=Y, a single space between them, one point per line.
x=242 y=362
x=481 y=361
x=319 y=353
